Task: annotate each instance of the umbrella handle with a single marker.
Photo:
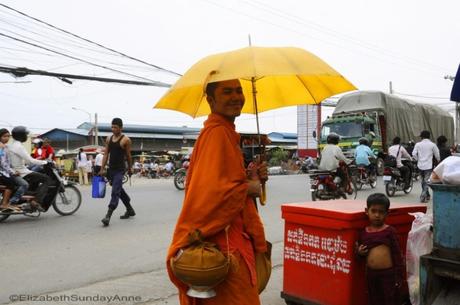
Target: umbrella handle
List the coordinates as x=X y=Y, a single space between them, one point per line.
x=263 y=195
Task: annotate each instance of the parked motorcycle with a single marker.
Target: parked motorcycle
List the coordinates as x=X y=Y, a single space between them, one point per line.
x=179 y=178
x=394 y=181
x=62 y=194
x=325 y=185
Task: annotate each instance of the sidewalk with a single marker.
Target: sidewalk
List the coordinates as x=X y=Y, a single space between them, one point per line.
x=150 y=288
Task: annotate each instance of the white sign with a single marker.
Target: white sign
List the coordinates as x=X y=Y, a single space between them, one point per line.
x=307 y=120
x=321 y=251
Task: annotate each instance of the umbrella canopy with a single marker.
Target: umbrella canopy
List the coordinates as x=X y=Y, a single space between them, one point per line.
x=282 y=76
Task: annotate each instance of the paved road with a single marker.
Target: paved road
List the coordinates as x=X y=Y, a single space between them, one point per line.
x=52 y=254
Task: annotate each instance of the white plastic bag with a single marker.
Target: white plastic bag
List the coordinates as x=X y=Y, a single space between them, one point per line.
x=448 y=171
x=419 y=242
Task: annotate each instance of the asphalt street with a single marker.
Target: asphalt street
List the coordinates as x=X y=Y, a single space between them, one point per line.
x=55 y=255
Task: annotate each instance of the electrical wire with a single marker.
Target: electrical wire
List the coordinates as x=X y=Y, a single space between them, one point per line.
x=423 y=96
x=78 y=59
x=89 y=41
x=293 y=18
x=294 y=30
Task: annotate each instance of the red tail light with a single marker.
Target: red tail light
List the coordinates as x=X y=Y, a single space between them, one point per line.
x=387 y=171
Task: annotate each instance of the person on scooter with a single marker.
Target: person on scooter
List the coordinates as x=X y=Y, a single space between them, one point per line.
x=7 y=177
x=330 y=157
x=362 y=155
x=19 y=157
x=398 y=151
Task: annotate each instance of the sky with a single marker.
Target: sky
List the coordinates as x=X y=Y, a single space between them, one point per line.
x=413 y=43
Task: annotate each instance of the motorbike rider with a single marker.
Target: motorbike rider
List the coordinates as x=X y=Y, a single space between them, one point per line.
x=362 y=155
x=398 y=151
x=19 y=157
x=330 y=157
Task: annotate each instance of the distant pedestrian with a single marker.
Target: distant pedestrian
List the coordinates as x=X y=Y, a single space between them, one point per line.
x=82 y=164
x=424 y=151
x=98 y=161
x=378 y=243
x=118 y=153
x=444 y=150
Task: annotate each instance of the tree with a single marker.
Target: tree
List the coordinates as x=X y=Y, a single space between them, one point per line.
x=277 y=156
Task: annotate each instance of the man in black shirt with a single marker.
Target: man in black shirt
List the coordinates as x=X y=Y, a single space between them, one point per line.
x=118 y=152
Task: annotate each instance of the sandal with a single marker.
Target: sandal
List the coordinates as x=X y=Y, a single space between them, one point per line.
x=11 y=210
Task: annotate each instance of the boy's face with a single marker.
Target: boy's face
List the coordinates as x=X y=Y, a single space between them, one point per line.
x=5 y=138
x=377 y=214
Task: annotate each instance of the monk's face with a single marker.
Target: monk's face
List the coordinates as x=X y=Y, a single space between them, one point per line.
x=228 y=99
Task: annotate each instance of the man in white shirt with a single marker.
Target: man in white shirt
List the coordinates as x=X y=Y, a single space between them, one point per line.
x=398 y=151
x=424 y=151
x=19 y=157
x=98 y=161
x=331 y=155
x=169 y=167
x=82 y=164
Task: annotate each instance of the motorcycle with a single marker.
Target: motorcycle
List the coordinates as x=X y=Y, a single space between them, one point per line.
x=179 y=178
x=394 y=181
x=307 y=166
x=415 y=170
x=325 y=185
x=363 y=176
x=62 y=194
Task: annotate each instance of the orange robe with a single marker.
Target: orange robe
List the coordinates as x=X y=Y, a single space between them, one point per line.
x=215 y=197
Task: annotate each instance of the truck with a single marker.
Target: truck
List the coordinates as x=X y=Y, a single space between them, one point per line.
x=381 y=117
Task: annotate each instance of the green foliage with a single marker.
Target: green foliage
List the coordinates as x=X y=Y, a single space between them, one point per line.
x=277 y=156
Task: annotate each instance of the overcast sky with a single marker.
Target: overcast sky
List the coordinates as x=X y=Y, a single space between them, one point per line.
x=413 y=43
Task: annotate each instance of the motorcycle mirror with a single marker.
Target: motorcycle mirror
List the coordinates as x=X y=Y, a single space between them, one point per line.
x=314 y=134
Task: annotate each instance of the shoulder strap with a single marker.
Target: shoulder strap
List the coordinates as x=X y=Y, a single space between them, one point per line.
x=398 y=150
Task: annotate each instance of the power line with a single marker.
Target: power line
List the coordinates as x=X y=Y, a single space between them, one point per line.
x=411 y=65
x=75 y=58
x=89 y=41
x=21 y=72
x=423 y=96
x=337 y=34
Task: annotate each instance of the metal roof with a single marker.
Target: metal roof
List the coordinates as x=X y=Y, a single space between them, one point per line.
x=133 y=128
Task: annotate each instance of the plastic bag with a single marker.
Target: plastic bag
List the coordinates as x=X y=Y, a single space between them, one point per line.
x=448 y=171
x=98 y=187
x=419 y=242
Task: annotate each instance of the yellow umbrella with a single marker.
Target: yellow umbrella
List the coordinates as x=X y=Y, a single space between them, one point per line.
x=271 y=78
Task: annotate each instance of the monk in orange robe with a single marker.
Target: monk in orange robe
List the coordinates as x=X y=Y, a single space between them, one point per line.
x=219 y=194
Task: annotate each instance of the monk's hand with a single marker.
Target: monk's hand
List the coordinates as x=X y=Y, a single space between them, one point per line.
x=254 y=188
x=262 y=171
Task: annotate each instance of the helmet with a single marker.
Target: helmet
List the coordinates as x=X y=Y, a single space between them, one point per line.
x=372 y=134
x=333 y=138
x=363 y=141
x=38 y=141
x=20 y=133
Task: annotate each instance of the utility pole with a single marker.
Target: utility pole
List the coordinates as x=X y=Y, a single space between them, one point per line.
x=96 y=142
x=391 y=87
